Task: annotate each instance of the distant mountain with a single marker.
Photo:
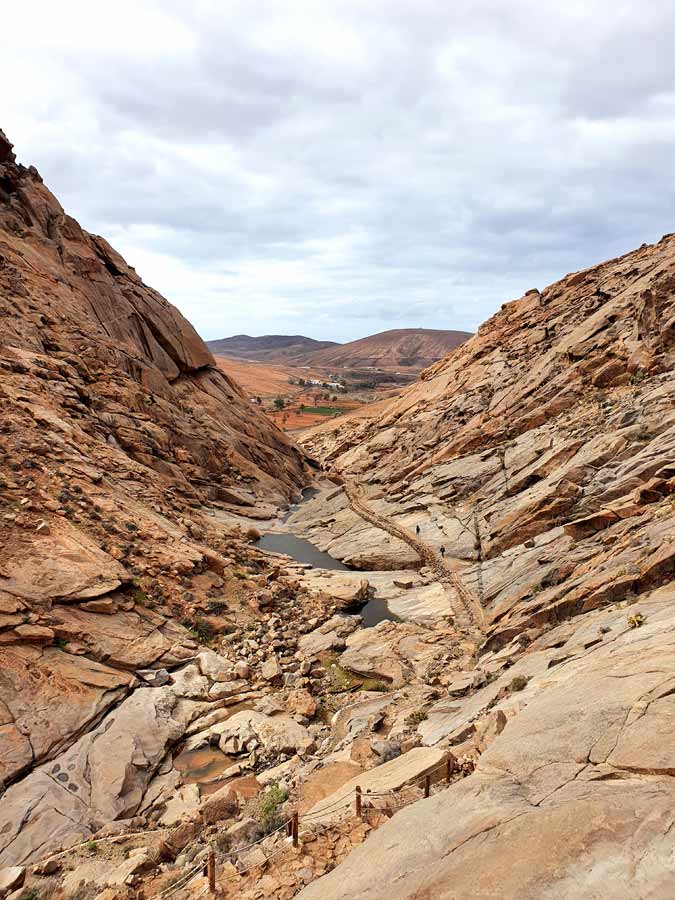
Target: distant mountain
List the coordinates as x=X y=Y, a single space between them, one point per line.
x=405 y=348
x=282 y=348
x=400 y=348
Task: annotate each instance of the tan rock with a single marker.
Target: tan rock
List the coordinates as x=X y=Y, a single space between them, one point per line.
x=271 y=670
x=302 y=703
x=35 y=634
x=11 y=878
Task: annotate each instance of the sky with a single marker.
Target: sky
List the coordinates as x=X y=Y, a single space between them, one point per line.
x=336 y=169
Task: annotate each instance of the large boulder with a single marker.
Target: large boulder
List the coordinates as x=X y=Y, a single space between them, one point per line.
x=276 y=734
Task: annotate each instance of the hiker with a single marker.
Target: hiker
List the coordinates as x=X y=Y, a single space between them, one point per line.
x=442 y=548
x=417 y=530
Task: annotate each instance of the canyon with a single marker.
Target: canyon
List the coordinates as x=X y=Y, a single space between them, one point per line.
x=470 y=697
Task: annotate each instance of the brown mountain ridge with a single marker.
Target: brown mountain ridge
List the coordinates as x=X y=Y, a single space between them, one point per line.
x=399 y=348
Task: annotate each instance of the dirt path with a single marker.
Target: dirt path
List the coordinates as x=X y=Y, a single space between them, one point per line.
x=470 y=618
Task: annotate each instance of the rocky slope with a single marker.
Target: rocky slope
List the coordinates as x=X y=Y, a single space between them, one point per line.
x=541 y=456
x=121 y=445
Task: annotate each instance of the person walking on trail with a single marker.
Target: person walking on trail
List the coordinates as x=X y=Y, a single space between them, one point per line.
x=417 y=530
x=442 y=549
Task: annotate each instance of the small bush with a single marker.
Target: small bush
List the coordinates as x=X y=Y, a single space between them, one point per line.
x=29 y=894
x=91 y=847
x=269 y=805
x=60 y=643
x=636 y=620
x=518 y=683
x=415 y=717
x=200 y=628
x=216 y=606
x=253 y=534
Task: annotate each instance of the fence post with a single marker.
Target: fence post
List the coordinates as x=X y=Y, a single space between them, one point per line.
x=427 y=785
x=294 y=828
x=358 y=801
x=211 y=867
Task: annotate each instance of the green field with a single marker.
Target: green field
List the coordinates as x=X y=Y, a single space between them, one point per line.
x=324 y=410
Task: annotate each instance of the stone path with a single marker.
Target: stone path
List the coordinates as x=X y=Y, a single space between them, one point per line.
x=470 y=617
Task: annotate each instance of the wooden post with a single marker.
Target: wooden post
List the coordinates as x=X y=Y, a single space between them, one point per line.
x=294 y=828
x=448 y=768
x=358 y=801
x=427 y=785
x=211 y=866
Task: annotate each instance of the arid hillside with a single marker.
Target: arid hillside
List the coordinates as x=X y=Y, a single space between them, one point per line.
x=121 y=445
x=273 y=348
x=401 y=348
x=540 y=458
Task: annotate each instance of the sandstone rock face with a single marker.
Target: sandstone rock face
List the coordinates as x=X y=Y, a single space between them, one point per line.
x=541 y=456
x=35 y=681
x=102 y=777
x=120 y=442
x=117 y=346
x=573 y=794
x=389 y=776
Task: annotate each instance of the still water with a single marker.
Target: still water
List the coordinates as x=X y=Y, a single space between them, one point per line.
x=304 y=551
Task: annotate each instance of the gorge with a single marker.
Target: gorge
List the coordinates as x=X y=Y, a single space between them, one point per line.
x=174 y=691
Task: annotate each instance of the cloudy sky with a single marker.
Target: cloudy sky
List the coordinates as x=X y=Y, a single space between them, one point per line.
x=339 y=167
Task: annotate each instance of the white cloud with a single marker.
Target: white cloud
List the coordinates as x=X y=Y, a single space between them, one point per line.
x=350 y=165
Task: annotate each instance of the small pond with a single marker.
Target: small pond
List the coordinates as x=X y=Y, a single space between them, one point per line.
x=305 y=552
x=203 y=767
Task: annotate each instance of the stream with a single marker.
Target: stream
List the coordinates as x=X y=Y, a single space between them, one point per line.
x=304 y=551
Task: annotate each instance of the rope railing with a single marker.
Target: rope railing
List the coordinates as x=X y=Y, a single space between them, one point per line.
x=402 y=795
x=112 y=838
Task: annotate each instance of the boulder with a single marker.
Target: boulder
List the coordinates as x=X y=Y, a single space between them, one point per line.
x=223 y=804
x=213 y=666
x=11 y=877
x=223 y=689
x=301 y=703
x=271 y=669
x=273 y=734
x=187 y=682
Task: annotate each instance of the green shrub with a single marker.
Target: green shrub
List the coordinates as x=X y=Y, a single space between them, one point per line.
x=200 y=628
x=140 y=597
x=29 y=894
x=518 y=683
x=269 y=805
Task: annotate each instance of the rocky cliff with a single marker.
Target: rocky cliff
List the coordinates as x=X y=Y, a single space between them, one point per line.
x=123 y=451
x=540 y=456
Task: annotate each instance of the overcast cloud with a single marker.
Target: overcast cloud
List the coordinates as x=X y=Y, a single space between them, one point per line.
x=339 y=168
